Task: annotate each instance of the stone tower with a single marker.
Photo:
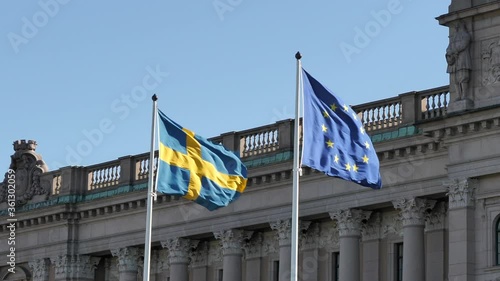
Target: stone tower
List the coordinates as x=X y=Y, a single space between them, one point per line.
x=473 y=53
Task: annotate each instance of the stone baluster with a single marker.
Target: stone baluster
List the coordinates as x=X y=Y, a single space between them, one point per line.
x=179 y=250
x=232 y=242
x=413 y=213
x=127 y=262
x=350 y=225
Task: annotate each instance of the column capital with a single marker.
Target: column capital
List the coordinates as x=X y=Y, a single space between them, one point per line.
x=40 y=269
x=128 y=258
x=232 y=240
x=350 y=221
x=461 y=193
x=283 y=229
x=253 y=248
x=413 y=210
x=79 y=266
x=179 y=249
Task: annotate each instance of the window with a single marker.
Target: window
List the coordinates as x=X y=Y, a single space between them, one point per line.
x=399 y=262
x=335 y=266
x=276 y=270
x=497 y=232
x=219 y=274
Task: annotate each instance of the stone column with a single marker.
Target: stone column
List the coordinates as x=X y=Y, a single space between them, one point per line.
x=199 y=262
x=461 y=229
x=413 y=213
x=371 y=235
x=179 y=250
x=435 y=243
x=253 y=256
x=349 y=224
x=80 y=267
x=127 y=262
x=232 y=242
x=40 y=269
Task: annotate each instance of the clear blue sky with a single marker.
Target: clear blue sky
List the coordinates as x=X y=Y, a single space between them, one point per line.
x=71 y=68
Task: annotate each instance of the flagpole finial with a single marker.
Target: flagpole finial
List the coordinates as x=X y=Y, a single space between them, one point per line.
x=154 y=97
x=298 y=56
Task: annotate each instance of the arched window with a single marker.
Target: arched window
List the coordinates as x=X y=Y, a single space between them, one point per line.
x=497 y=241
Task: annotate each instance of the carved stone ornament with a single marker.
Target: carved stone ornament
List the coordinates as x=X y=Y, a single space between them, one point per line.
x=392 y=223
x=491 y=62
x=79 y=266
x=40 y=269
x=372 y=229
x=270 y=244
x=413 y=210
x=283 y=230
x=232 y=240
x=329 y=237
x=214 y=253
x=179 y=249
x=128 y=258
x=162 y=263
x=435 y=220
x=350 y=221
x=461 y=193
x=253 y=248
x=310 y=239
x=199 y=257
x=28 y=167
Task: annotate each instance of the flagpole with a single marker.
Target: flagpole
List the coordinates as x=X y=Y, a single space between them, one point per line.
x=296 y=173
x=151 y=195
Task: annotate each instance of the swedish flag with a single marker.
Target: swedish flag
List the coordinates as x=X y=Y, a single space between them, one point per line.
x=335 y=141
x=195 y=168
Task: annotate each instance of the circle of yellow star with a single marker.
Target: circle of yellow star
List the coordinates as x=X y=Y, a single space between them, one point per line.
x=346 y=108
x=362 y=130
x=329 y=143
x=355 y=168
x=324 y=128
x=333 y=106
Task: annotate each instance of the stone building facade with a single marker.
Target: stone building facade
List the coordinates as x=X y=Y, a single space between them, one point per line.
x=437 y=217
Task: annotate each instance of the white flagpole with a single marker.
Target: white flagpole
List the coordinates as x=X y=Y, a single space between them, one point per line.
x=296 y=174
x=151 y=195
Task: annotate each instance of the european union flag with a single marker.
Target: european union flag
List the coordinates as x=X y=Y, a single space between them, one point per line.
x=195 y=168
x=335 y=141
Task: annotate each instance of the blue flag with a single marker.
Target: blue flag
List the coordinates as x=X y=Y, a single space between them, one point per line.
x=197 y=169
x=335 y=141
